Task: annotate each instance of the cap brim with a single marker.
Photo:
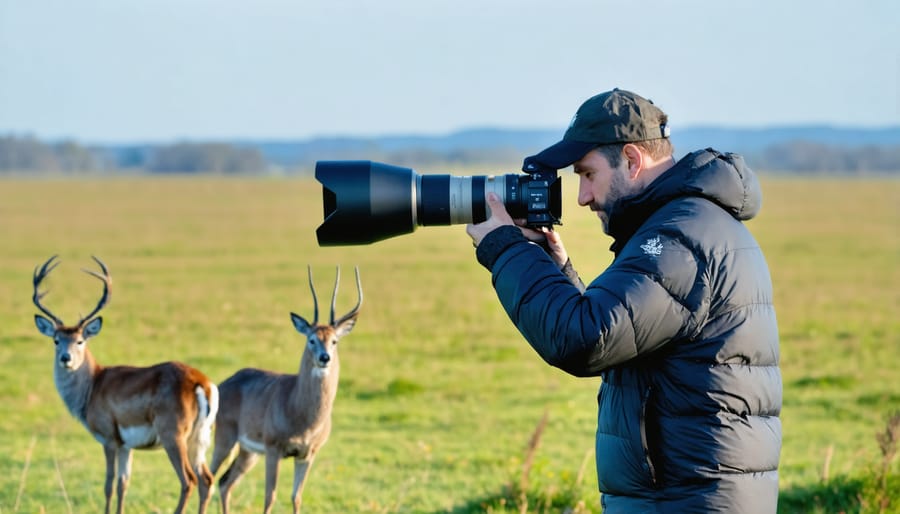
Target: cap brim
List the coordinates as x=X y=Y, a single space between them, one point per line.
x=562 y=154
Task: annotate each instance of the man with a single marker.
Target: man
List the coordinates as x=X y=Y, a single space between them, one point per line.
x=680 y=326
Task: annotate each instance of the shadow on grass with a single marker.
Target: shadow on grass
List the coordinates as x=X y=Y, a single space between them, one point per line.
x=547 y=498
x=397 y=387
x=478 y=505
x=502 y=503
x=840 y=494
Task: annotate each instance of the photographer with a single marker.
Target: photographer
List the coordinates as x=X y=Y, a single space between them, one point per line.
x=680 y=326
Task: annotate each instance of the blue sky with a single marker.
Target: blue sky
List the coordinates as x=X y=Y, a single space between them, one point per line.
x=161 y=70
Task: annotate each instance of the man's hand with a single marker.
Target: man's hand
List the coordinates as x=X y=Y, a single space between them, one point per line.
x=499 y=217
x=551 y=242
x=546 y=237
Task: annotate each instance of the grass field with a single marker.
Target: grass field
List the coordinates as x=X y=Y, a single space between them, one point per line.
x=439 y=394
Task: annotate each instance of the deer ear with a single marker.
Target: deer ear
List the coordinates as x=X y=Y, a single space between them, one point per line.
x=44 y=325
x=344 y=327
x=301 y=324
x=93 y=327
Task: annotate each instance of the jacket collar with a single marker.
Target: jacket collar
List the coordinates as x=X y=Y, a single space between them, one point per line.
x=722 y=178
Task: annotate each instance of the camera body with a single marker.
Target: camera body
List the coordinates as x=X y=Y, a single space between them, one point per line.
x=540 y=199
x=366 y=201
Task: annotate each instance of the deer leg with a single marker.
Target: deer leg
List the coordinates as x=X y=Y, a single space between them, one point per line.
x=272 y=461
x=205 y=481
x=225 y=441
x=110 y=453
x=241 y=465
x=197 y=450
x=177 y=452
x=301 y=468
x=123 y=456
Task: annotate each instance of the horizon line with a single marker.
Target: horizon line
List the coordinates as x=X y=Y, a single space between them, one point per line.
x=150 y=141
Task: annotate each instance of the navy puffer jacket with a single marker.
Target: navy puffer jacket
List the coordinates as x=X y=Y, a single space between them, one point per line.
x=682 y=330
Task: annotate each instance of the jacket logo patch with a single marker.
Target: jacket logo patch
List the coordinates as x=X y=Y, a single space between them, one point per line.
x=652 y=246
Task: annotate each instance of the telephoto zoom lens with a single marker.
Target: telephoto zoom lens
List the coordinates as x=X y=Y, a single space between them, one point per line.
x=449 y=200
x=365 y=201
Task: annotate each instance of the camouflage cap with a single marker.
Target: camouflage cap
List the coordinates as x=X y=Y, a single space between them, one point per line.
x=616 y=116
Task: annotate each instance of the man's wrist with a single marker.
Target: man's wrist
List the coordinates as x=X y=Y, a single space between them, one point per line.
x=495 y=242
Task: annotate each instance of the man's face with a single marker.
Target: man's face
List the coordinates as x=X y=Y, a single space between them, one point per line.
x=600 y=185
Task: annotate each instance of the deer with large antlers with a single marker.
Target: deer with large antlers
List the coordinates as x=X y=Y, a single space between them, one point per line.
x=281 y=415
x=124 y=407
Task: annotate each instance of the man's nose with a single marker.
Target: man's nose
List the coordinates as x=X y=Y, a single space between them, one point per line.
x=584 y=195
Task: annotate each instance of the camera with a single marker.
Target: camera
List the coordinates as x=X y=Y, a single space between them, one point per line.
x=366 y=201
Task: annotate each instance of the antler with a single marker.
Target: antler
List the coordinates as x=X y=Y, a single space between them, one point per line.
x=40 y=273
x=107 y=282
x=355 y=310
x=315 y=302
x=337 y=278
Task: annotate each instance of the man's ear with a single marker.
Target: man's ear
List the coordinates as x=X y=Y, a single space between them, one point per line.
x=635 y=160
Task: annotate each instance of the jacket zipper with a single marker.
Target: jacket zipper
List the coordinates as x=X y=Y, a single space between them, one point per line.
x=644 y=401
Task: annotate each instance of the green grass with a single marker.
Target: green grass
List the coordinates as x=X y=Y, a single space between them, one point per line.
x=439 y=395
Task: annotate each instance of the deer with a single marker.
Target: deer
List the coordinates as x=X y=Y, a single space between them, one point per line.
x=127 y=408
x=283 y=415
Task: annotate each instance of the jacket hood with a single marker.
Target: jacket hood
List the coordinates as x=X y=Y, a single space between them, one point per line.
x=723 y=178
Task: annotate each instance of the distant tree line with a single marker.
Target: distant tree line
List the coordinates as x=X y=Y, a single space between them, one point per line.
x=503 y=159
x=27 y=154
x=208 y=157
x=30 y=155
x=806 y=157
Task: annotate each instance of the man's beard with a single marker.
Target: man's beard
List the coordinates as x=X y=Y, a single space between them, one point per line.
x=619 y=187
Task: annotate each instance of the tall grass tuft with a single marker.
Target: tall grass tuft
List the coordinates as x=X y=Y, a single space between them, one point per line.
x=528 y=462
x=877 y=492
x=534 y=489
x=62 y=482
x=24 y=476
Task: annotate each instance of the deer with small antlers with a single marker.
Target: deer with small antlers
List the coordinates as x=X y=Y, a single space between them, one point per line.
x=124 y=407
x=282 y=415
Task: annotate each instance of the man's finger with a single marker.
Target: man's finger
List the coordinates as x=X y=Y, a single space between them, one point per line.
x=532 y=235
x=550 y=233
